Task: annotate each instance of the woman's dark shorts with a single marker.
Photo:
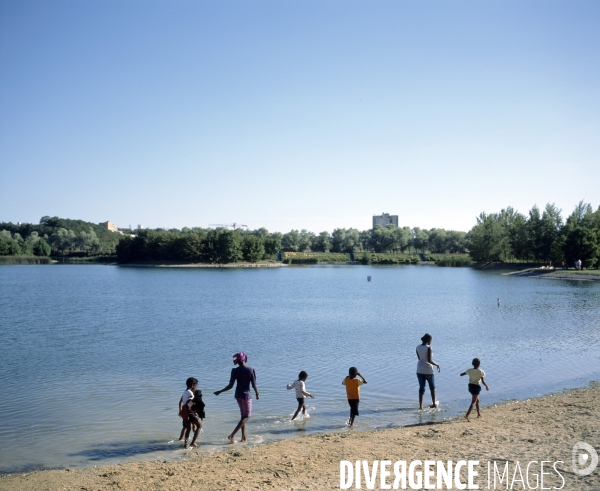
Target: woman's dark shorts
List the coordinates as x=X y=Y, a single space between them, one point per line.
x=423 y=377
x=353 y=406
x=300 y=400
x=474 y=389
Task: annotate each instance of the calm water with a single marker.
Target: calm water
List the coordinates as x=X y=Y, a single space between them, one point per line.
x=94 y=358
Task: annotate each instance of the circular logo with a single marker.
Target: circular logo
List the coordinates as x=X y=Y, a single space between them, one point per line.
x=580 y=459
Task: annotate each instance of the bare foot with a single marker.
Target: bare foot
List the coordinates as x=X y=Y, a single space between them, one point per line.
x=230 y=438
x=193 y=445
x=243 y=440
x=479 y=415
x=467 y=418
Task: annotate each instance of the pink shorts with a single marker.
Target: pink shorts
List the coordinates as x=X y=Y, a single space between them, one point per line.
x=245 y=407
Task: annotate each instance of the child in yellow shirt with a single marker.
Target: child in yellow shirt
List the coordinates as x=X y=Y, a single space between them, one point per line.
x=353 y=383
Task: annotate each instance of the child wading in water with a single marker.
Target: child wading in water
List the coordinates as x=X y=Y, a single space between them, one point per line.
x=300 y=393
x=353 y=384
x=475 y=380
x=190 y=405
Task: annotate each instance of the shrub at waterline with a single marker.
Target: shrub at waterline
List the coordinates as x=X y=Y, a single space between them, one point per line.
x=314 y=257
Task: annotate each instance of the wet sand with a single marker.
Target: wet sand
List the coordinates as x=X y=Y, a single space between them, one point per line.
x=544 y=428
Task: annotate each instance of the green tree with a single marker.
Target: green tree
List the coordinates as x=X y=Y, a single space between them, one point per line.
x=222 y=246
x=8 y=245
x=321 y=242
x=253 y=248
x=306 y=240
x=272 y=245
x=517 y=236
x=41 y=248
x=488 y=239
x=437 y=240
x=456 y=242
x=582 y=237
x=291 y=241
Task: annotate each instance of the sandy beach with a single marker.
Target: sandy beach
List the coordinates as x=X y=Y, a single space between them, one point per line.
x=558 y=274
x=541 y=429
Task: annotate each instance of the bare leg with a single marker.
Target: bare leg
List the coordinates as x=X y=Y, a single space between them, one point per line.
x=303 y=408
x=237 y=428
x=297 y=411
x=197 y=429
x=244 y=431
x=473 y=400
x=420 y=400
x=477 y=406
x=182 y=433
x=351 y=421
x=187 y=434
x=433 y=398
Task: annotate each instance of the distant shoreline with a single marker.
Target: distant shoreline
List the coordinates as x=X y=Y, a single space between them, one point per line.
x=203 y=265
x=520 y=270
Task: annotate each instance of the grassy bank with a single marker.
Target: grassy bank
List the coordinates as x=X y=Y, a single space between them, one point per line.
x=455 y=260
x=387 y=258
x=314 y=257
x=85 y=260
x=25 y=260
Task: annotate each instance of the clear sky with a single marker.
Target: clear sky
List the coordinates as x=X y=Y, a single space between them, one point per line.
x=296 y=114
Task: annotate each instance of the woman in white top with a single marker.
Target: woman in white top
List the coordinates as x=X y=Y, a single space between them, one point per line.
x=425 y=369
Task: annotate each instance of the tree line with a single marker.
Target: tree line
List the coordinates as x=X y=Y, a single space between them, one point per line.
x=221 y=245
x=539 y=236
x=380 y=239
x=218 y=245
x=57 y=237
x=15 y=245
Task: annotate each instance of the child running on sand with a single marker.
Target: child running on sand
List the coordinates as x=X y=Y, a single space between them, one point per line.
x=300 y=393
x=475 y=379
x=353 y=384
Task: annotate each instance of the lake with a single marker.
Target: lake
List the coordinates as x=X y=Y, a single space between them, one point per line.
x=94 y=358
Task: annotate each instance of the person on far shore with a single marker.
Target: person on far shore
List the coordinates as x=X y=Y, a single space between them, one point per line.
x=475 y=380
x=425 y=369
x=353 y=383
x=300 y=393
x=245 y=376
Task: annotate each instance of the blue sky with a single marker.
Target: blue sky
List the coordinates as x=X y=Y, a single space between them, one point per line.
x=312 y=114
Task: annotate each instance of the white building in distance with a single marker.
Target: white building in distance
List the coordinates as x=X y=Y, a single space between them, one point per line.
x=109 y=226
x=385 y=219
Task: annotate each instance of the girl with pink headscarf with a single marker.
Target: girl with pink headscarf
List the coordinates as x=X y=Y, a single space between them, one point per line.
x=244 y=376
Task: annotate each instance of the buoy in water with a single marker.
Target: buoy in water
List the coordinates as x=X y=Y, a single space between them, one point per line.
x=368 y=278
